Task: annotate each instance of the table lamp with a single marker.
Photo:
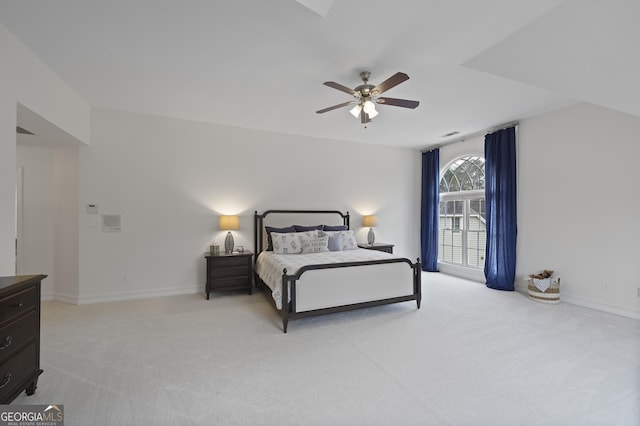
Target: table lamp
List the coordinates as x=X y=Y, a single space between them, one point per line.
x=229 y=223
x=370 y=221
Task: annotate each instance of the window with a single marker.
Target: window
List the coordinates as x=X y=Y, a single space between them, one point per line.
x=462 y=233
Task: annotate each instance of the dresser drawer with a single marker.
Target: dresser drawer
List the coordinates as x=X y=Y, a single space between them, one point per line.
x=17 y=334
x=18 y=303
x=17 y=370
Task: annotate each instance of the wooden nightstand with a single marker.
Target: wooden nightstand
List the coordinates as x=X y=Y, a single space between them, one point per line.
x=378 y=246
x=232 y=271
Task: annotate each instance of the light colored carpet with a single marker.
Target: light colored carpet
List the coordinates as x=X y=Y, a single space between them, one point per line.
x=469 y=356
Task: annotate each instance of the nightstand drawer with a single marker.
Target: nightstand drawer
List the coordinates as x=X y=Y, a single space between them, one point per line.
x=230 y=261
x=17 y=334
x=18 y=303
x=230 y=271
x=231 y=283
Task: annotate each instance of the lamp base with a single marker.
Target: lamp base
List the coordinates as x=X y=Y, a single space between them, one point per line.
x=228 y=243
x=371 y=237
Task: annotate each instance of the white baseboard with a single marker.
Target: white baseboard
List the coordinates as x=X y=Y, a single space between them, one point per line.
x=117 y=297
x=146 y=294
x=598 y=306
x=65 y=298
x=591 y=304
x=46 y=297
x=59 y=297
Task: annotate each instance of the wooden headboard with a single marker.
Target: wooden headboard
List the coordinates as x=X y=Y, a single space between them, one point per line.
x=282 y=218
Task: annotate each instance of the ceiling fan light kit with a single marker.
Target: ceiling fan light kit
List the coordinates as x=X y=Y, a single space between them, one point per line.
x=368 y=107
x=367 y=96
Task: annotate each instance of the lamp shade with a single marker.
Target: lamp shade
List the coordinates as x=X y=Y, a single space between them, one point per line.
x=229 y=223
x=369 y=220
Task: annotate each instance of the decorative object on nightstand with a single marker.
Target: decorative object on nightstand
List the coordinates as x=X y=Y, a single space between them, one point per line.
x=229 y=223
x=229 y=271
x=388 y=248
x=370 y=221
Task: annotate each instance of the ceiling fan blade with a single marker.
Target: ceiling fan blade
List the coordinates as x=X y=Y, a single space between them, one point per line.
x=339 y=87
x=405 y=103
x=392 y=81
x=331 y=108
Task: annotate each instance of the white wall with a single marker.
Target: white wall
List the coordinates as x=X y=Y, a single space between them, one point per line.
x=66 y=230
x=579 y=205
x=170 y=179
x=49 y=243
x=37 y=214
x=25 y=79
x=7 y=186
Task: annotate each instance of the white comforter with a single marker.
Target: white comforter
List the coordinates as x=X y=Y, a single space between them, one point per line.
x=269 y=265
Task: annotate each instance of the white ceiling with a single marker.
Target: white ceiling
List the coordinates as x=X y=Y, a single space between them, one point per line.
x=261 y=64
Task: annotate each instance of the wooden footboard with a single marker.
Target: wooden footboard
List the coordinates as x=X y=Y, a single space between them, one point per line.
x=361 y=295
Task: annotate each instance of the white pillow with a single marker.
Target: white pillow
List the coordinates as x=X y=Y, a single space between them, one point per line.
x=349 y=241
x=307 y=235
x=315 y=245
x=288 y=243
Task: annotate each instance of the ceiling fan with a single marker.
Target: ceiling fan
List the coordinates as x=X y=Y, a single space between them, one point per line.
x=367 y=96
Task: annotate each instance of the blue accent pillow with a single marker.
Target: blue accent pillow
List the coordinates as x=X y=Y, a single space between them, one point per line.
x=271 y=229
x=302 y=228
x=335 y=242
x=334 y=228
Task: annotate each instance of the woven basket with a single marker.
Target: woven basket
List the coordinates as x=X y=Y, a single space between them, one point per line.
x=550 y=295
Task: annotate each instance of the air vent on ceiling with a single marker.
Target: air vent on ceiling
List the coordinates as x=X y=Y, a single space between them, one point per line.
x=449 y=134
x=23 y=131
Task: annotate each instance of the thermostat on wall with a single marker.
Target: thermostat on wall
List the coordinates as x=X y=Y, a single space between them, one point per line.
x=92 y=208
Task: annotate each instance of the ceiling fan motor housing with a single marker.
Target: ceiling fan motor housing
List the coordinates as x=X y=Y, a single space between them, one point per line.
x=366 y=89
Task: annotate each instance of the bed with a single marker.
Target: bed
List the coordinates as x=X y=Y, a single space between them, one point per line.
x=319 y=281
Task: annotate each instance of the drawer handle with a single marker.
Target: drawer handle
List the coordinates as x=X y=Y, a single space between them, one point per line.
x=7 y=379
x=18 y=305
x=6 y=342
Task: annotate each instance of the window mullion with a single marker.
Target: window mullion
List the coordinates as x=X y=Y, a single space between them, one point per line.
x=465 y=235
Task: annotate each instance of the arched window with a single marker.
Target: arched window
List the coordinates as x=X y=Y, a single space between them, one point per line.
x=464 y=174
x=462 y=233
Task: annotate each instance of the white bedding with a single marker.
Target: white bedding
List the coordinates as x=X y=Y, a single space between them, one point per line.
x=269 y=265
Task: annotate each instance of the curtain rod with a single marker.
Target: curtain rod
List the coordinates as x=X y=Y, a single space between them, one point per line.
x=473 y=135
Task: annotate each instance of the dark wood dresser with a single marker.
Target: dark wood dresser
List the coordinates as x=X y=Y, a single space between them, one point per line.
x=19 y=335
x=231 y=271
